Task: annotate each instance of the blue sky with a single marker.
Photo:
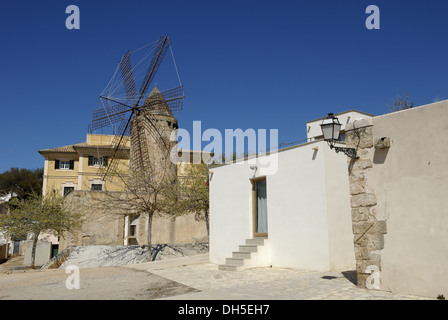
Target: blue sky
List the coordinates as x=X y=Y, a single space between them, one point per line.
x=244 y=64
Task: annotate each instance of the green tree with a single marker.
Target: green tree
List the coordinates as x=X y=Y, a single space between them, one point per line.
x=37 y=215
x=189 y=193
x=21 y=182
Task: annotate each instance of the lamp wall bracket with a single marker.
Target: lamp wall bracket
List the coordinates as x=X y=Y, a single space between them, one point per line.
x=350 y=152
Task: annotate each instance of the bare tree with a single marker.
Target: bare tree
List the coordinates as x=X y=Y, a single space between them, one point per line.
x=400 y=104
x=143 y=186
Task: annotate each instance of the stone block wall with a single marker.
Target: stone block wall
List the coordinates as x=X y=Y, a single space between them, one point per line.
x=368 y=231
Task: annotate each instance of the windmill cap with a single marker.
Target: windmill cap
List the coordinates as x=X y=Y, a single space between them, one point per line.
x=156 y=104
x=154 y=90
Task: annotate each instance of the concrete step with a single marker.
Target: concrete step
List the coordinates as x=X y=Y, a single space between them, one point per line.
x=241 y=255
x=225 y=267
x=245 y=253
x=235 y=262
x=256 y=241
x=248 y=248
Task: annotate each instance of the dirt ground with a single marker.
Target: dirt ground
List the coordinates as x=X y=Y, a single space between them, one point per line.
x=105 y=283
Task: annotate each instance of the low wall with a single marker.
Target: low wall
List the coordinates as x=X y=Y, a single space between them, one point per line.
x=107 y=225
x=43 y=252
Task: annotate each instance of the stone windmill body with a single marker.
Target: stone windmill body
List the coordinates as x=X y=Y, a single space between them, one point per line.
x=153 y=136
x=148 y=122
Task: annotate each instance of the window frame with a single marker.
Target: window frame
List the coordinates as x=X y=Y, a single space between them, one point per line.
x=64 y=164
x=254 y=182
x=96 y=162
x=58 y=164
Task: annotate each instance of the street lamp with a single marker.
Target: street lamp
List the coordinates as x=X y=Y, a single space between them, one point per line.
x=330 y=129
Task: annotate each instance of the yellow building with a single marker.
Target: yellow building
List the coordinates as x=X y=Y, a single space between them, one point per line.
x=75 y=167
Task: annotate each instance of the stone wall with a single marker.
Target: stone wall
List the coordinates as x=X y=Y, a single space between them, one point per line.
x=398 y=192
x=367 y=229
x=106 y=226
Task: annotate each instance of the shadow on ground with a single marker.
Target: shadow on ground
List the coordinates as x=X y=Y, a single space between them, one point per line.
x=350 y=275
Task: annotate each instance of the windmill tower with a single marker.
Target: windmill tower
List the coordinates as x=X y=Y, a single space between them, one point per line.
x=150 y=123
x=153 y=136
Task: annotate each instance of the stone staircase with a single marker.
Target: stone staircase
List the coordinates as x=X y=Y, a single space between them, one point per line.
x=244 y=257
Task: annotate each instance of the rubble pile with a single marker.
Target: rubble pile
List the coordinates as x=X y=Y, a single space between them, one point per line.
x=106 y=256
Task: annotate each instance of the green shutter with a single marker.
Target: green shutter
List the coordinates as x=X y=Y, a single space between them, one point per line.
x=90 y=160
x=72 y=165
x=56 y=164
x=105 y=161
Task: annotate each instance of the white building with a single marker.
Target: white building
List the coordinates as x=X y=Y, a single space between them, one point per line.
x=297 y=216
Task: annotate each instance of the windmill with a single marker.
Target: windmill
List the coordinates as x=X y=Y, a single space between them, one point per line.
x=147 y=122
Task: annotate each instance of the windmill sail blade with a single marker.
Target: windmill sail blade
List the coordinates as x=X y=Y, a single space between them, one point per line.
x=106 y=116
x=127 y=75
x=159 y=53
x=174 y=98
x=117 y=150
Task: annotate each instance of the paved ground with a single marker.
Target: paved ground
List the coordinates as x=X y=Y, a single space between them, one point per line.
x=188 y=278
x=264 y=283
x=105 y=283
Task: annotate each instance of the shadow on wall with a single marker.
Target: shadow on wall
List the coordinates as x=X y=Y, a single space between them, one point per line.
x=381 y=149
x=379 y=157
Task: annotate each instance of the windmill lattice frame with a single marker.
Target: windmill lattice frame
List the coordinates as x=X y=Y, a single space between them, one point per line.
x=118 y=112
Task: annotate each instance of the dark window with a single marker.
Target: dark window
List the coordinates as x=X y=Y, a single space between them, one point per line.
x=67 y=190
x=56 y=164
x=96 y=186
x=132 y=231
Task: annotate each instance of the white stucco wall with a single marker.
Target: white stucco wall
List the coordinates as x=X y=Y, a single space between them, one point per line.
x=309 y=217
x=230 y=210
x=339 y=219
x=411 y=183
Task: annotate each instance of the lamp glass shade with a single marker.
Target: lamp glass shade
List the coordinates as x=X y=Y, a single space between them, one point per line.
x=330 y=129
